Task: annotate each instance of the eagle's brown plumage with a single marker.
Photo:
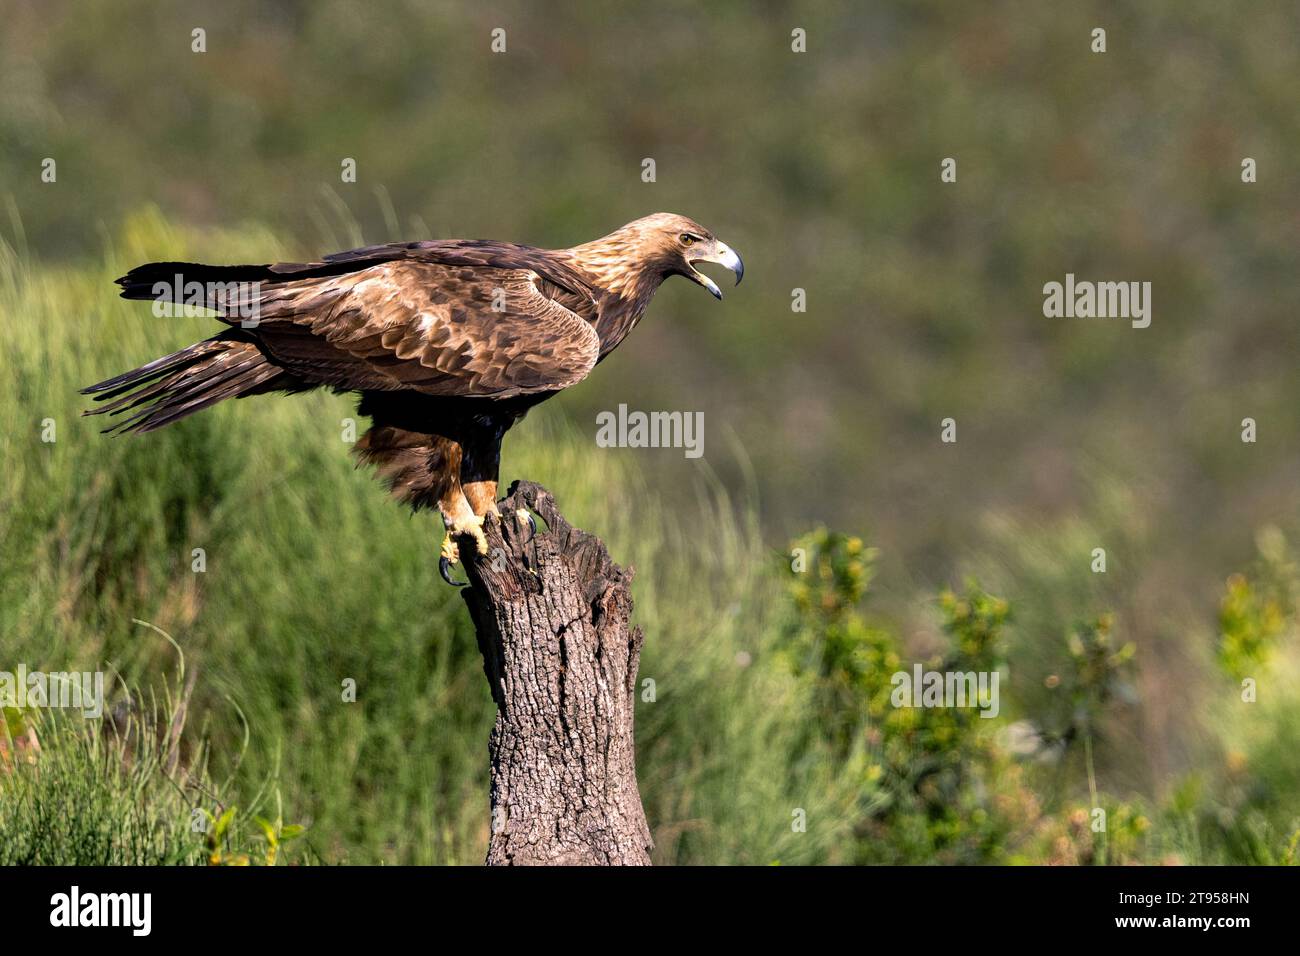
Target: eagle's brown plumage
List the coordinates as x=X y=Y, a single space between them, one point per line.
x=449 y=343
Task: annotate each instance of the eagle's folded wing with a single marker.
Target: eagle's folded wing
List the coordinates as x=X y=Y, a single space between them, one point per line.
x=463 y=328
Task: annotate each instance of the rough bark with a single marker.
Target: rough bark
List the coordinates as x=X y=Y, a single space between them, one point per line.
x=551 y=612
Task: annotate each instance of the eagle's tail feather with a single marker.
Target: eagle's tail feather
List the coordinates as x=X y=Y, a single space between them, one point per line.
x=188 y=381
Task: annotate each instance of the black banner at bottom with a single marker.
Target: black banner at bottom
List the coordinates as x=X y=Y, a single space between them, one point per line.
x=338 y=905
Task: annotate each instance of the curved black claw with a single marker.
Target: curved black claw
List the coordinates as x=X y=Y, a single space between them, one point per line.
x=532 y=524
x=444 y=568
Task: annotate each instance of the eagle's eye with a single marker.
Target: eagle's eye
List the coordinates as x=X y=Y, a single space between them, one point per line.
x=687 y=238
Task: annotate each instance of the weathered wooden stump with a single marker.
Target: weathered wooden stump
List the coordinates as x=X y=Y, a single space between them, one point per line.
x=551 y=612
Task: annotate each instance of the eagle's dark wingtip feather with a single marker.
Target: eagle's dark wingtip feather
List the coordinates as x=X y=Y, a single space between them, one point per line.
x=180 y=384
x=137 y=375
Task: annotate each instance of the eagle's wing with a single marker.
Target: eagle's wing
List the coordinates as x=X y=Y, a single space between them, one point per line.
x=477 y=319
x=440 y=329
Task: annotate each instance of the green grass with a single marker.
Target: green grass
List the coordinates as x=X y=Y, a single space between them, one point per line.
x=130 y=789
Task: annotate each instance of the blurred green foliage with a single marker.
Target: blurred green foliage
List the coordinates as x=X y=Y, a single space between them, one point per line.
x=1256 y=613
x=941 y=785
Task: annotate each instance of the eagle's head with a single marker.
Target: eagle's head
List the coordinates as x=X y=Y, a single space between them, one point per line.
x=636 y=258
x=676 y=243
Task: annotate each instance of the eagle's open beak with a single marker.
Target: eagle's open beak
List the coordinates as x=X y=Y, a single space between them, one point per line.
x=723 y=255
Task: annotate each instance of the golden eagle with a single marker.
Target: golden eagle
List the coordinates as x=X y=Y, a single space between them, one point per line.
x=449 y=343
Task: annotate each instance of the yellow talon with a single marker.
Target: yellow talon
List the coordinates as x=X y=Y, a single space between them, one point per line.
x=470 y=526
x=474 y=528
x=479 y=537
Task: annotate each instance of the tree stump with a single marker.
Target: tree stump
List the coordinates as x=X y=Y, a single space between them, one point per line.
x=551 y=612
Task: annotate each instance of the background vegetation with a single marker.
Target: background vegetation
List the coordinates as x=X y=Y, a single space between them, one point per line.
x=1120 y=690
